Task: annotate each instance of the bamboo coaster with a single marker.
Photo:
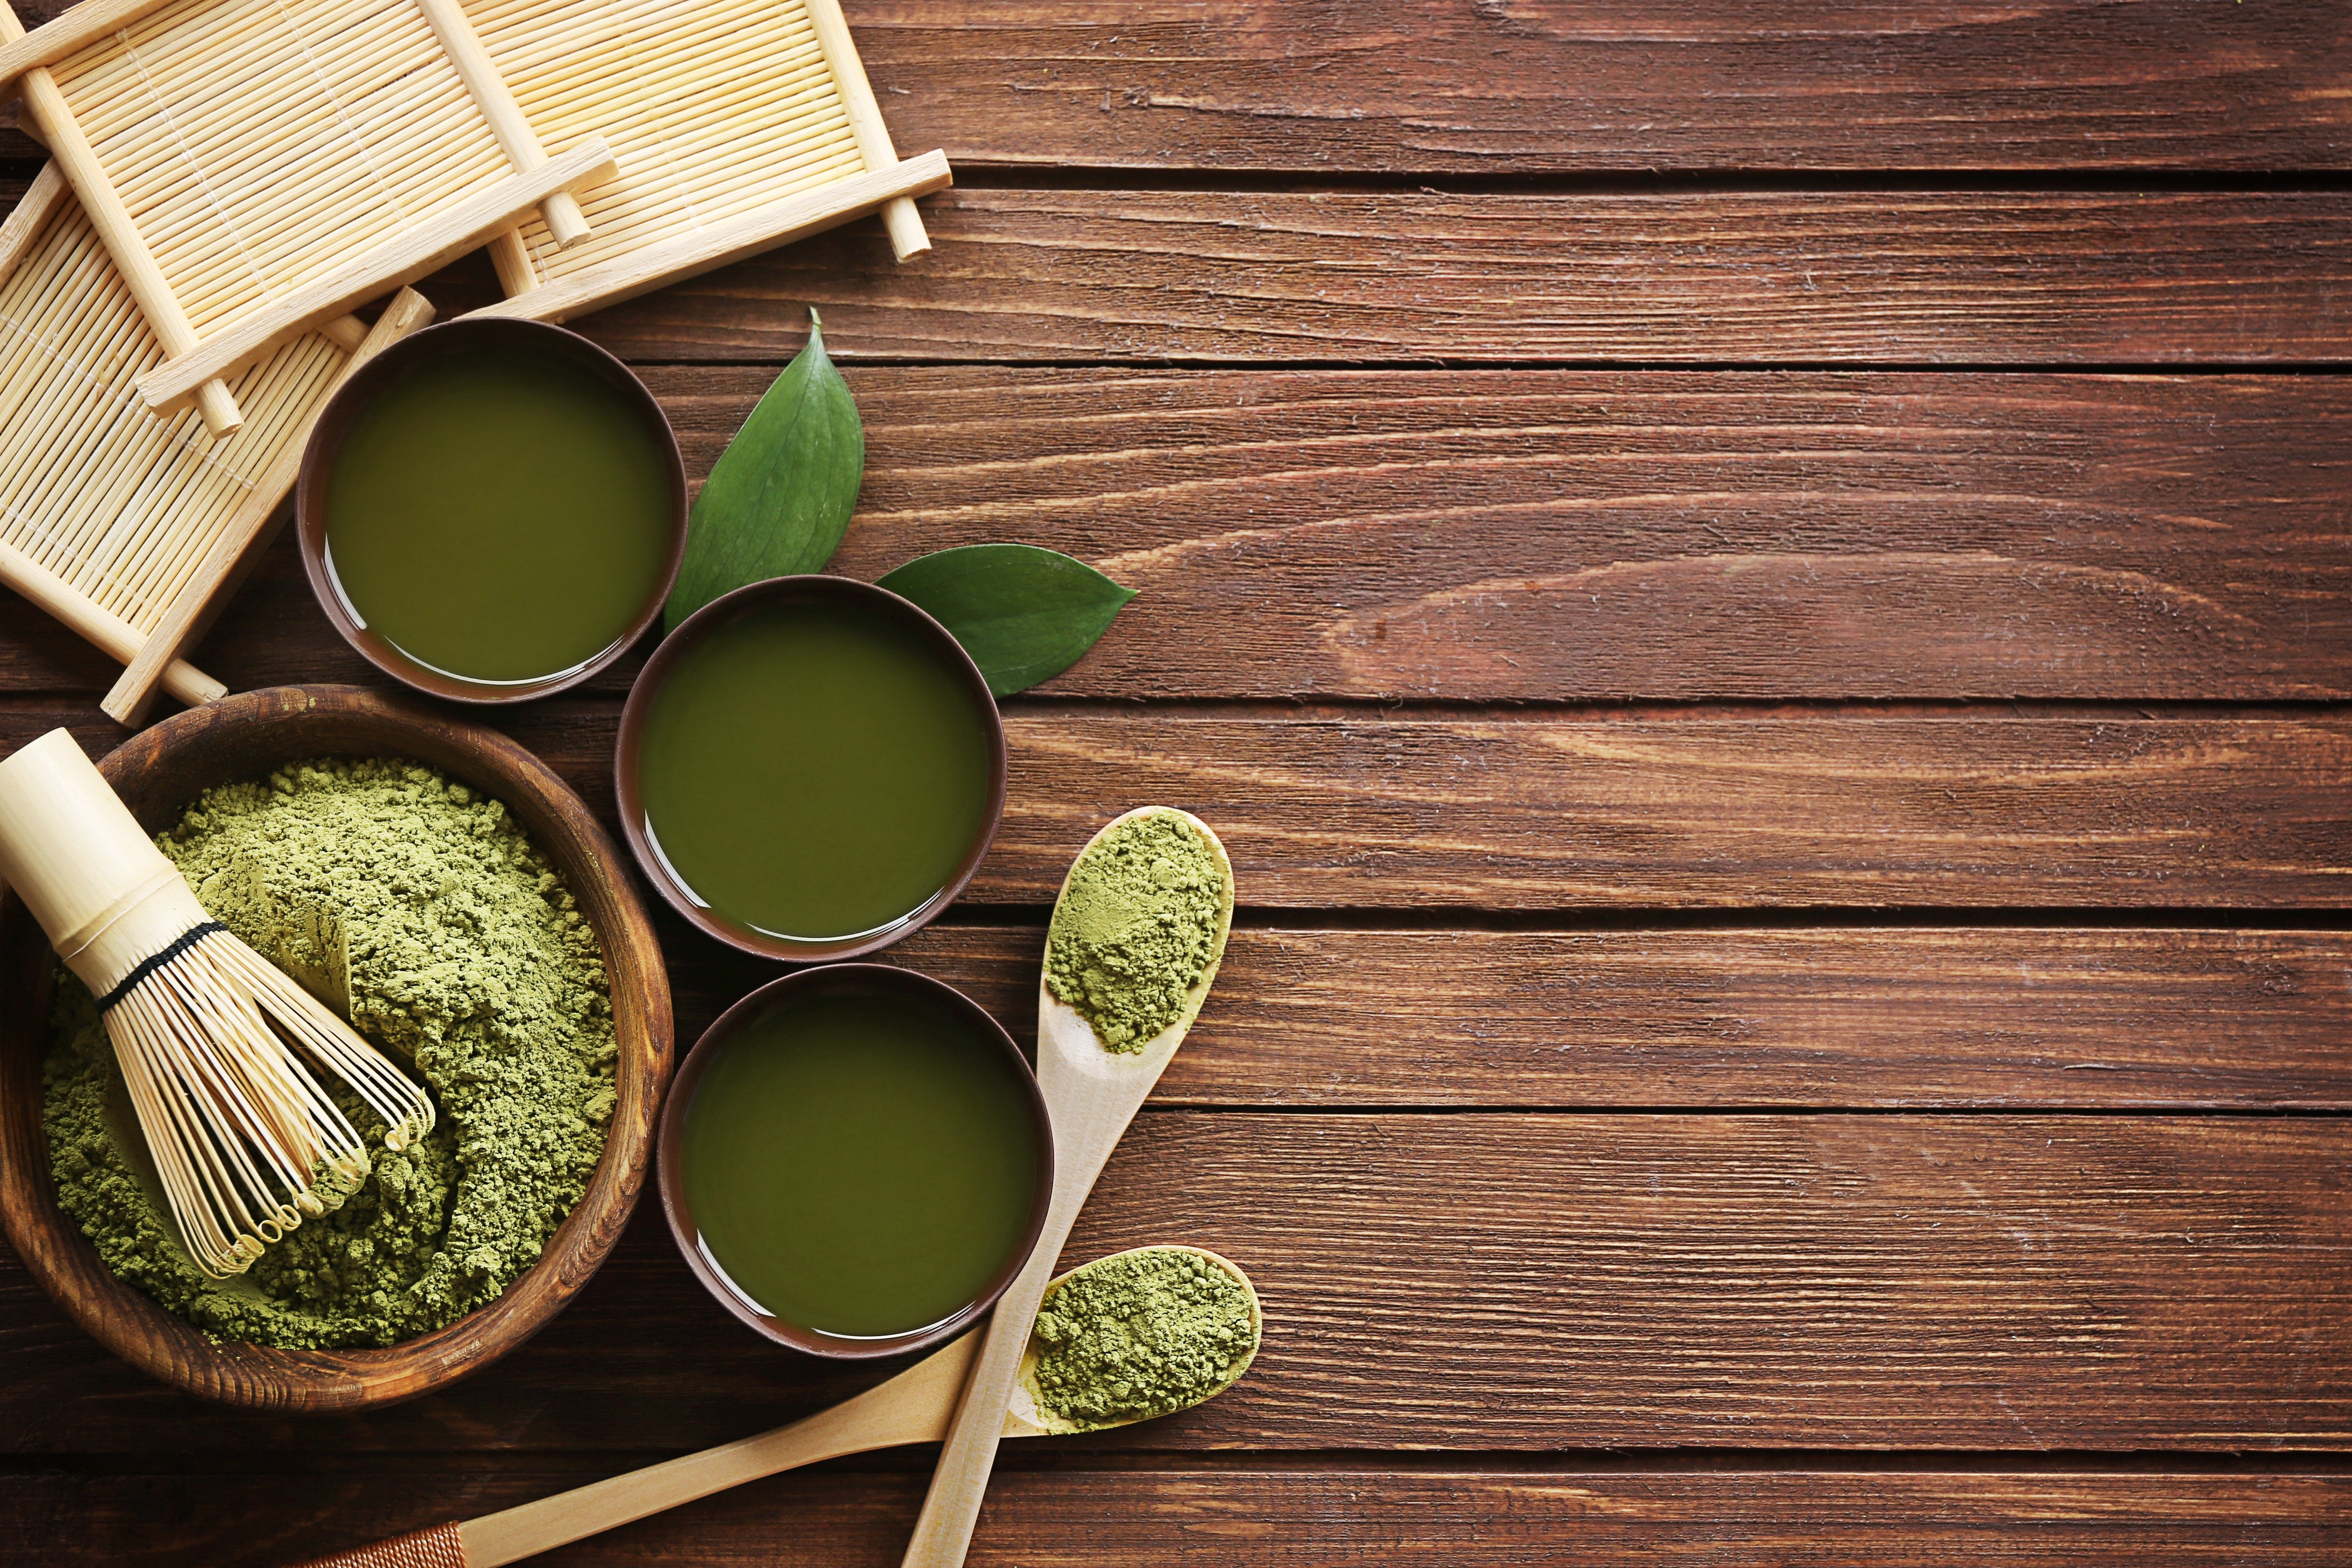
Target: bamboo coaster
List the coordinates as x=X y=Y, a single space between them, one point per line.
x=128 y=528
x=259 y=167
x=738 y=125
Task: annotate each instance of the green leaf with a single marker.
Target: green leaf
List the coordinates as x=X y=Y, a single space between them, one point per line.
x=1024 y=614
x=779 y=499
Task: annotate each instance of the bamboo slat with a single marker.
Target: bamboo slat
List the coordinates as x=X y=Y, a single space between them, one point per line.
x=123 y=525
x=406 y=254
x=699 y=250
x=243 y=159
x=737 y=124
x=899 y=218
x=116 y=227
x=191 y=609
x=516 y=138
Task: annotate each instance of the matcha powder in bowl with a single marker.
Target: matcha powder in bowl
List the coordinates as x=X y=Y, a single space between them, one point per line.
x=467 y=960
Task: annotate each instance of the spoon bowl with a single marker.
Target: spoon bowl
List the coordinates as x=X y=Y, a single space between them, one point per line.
x=1093 y=1077
x=1025 y=1417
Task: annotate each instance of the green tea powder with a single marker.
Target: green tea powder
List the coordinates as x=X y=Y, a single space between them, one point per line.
x=1140 y=1334
x=1137 y=927
x=466 y=960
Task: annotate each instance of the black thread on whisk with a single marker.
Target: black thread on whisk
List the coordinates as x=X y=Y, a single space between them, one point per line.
x=147 y=967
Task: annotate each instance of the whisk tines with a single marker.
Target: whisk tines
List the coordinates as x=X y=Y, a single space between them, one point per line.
x=222 y=1051
x=251 y=1142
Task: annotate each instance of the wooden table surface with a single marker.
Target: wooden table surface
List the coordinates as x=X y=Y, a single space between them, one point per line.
x=1763 y=597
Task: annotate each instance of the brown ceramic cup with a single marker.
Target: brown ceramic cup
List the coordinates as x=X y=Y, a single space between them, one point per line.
x=469 y=334
x=765 y=598
x=778 y=995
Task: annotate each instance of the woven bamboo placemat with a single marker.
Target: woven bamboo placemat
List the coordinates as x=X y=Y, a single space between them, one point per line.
x=128 y=527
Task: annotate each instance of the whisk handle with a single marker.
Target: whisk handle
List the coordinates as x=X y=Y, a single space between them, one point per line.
x=69 y=846
x=439 y=1547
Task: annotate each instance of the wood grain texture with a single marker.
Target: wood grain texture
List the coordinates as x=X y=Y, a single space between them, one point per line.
x=1801 y=1189
x=17 y=145
x=2032 y=278
x=1515 y=1281
x=1750 y=1019
x=1148 y=1518
x=1567 y=86
x=1536 y=814
x=1547 y=535
x=1562 y=535
x=1572 y=86
x=1540 y=814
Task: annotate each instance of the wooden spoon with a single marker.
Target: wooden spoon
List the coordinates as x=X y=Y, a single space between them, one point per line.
x=1093 y=1093
x=912 y=1408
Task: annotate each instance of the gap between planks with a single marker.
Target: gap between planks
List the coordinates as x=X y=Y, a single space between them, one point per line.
x=20 y=156
x=562 y=1467
x=1408 y=1515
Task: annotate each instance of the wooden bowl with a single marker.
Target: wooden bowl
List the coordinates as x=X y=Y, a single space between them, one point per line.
x=157 y=773
x=469 y=335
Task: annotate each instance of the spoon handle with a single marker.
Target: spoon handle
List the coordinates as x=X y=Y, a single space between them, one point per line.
x=911 y=1408
x=1093 y=1094
x=952 y=1507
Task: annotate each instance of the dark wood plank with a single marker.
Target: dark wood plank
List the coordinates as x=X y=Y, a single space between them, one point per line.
x=1417 y=86
x=1880 y=277
x=1541 y=814
x=1952 y=277
x=1847 y=1019
x=1526 y=535
x=1511 y=1281
x=18 y=147
x=1519 y=87
x=1150 y=1517
x=1840 y=1018
x=1575 y=536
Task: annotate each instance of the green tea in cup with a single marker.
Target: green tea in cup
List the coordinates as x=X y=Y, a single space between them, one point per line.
x=861 y=1160
x=811 y=767
x=500 y=512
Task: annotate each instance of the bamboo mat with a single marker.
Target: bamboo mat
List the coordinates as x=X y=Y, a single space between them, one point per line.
x=124 y=524
x=258 y=143
x=713 y=110
x=258 y=168
x=736 y=125
x=255 y=145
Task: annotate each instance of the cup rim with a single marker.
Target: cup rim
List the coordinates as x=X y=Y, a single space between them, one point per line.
x=765 y=1002
x=628 y=748
x=360 y=389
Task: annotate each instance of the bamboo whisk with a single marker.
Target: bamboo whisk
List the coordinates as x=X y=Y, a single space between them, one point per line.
x=216 y=1045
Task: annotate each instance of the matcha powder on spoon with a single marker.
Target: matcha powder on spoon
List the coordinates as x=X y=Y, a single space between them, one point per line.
x=1137 y=927
x=1140 y=1334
